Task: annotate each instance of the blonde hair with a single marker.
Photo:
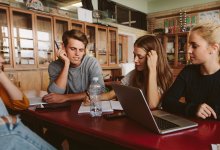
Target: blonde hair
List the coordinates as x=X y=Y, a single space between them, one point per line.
x=209 y=31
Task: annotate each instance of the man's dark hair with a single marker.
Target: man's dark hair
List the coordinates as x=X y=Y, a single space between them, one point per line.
x=74 y=34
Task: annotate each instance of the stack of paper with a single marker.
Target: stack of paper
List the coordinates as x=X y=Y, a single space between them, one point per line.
x=215 y=146
x=107 y=106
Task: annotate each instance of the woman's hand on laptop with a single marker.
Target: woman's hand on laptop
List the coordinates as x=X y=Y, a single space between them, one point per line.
x=205 y=111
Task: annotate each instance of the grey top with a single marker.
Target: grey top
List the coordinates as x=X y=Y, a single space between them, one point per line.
x=127 y=78
x=79 y=78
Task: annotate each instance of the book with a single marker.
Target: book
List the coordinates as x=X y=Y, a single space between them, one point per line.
x=107 y=106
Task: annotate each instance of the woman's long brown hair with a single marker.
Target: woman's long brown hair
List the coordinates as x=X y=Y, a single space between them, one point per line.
x=164 y=73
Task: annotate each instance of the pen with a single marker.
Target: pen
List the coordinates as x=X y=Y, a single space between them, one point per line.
x=57 y=46
x=87 y=94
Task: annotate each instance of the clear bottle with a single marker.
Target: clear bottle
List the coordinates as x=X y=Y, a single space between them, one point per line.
x=95 y=90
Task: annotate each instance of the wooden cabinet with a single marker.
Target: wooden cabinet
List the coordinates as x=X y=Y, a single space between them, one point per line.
x=44 y=80
x=112 y=46
x=103 y=44
x=60 y=26
x=27 y=44
x=123 y=48
x=182 y=40
x=32 y=41
x=44 y=37
x=176 y=48
x=5 y=36
x=90 y=31
x=28 y=80
x=23 y=43
x=78 y=25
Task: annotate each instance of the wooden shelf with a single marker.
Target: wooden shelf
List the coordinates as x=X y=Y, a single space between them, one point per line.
x=51 y=26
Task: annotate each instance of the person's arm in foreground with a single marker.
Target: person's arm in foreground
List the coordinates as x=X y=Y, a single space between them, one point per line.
x=11 y=95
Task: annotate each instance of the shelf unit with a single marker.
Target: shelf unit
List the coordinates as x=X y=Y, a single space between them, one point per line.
x=23 y=41
x=102 y=45
x=60 y=26
x=78 y=25
x=27 y=43
x=5 y=36
x=123 y=48
x=90 y=31
x=176 y=47
x=113 y=46
x=44 y=37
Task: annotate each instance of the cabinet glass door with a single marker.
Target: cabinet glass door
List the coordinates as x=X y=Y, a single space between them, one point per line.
x=182 y=49
x=90 y=31
x=45 y=41
x=23 y=38
x=169 y=41
x=123 y=48
x=4 y=37
x=102 y=45
x=113 y=60
x=60 y=27
x=78 y=26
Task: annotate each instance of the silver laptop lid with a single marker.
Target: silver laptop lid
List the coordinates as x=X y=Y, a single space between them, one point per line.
x=135 y=106
x=136 y=110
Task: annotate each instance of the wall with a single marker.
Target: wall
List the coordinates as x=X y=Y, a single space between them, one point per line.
x=140 y=5
x=156 y=19
x=95 y=4
x=150 y=6
x=161 y=5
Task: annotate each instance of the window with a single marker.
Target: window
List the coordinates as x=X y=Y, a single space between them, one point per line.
x=123 y=15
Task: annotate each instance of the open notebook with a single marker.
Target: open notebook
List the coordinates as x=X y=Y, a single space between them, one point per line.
x=107 y=106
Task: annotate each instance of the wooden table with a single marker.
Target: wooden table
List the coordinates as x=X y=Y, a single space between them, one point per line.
x=122 y=133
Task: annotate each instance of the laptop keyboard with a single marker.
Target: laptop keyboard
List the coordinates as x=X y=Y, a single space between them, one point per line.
x=164 y=124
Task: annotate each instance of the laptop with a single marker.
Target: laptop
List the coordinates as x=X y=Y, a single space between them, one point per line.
x=136 y=107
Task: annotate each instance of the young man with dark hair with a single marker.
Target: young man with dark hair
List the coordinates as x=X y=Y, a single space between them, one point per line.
x=72 y=73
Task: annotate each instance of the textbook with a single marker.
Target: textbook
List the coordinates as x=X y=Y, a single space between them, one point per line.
x=107 y=106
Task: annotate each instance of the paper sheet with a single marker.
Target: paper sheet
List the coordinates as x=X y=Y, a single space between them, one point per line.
x=116 y=105
x=215 y=146
x=107 y=106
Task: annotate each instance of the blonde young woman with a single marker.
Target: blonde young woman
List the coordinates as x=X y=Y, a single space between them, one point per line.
x=152 y=72
x=13 y=134
x=199 y=83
